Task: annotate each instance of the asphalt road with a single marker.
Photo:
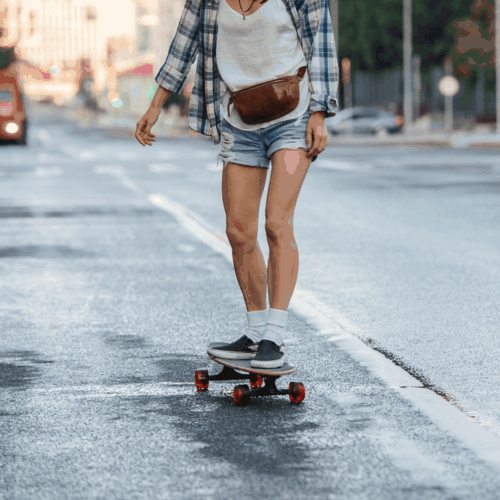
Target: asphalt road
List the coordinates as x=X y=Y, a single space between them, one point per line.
x=109 y=296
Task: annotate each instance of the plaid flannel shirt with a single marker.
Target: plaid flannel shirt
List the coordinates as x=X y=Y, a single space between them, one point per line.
x=196 y=37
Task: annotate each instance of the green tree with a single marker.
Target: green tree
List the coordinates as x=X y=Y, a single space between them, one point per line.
x=475 y=44
x=371 y=33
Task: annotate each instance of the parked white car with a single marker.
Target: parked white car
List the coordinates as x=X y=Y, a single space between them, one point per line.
x=364 y=120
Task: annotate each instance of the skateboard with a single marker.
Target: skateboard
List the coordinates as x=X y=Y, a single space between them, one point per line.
x=262 y=380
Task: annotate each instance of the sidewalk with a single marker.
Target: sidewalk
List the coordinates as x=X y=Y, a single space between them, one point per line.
x=458 y=140
x=170 y=126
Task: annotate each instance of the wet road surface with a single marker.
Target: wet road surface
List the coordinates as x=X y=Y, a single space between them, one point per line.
x=108 y=303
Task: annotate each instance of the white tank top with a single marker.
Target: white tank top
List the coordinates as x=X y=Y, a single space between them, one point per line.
x=262 y=47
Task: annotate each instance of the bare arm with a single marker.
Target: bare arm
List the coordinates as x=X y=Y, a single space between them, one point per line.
x=143 y=130
x=160 y=98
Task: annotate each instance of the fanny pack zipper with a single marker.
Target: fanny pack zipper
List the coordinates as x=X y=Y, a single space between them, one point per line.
x=250 y=89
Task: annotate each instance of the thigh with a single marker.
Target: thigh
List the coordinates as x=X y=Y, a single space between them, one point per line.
x=242 y=188
x=289 y=169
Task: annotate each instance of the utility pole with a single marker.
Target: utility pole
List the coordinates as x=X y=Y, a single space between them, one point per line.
x=448 y=86
x=416 y=85
x=497 y=60
x=407 y=66
x=334 y=14
x=448 y=101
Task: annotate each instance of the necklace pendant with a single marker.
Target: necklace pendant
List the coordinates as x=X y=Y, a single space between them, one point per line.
x=243 y=16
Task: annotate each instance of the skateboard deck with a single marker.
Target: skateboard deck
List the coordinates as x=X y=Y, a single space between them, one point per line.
x=256 y=377
x=244 y=366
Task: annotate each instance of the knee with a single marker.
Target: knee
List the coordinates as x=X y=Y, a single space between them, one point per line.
x=279 y=229
x=241 y=235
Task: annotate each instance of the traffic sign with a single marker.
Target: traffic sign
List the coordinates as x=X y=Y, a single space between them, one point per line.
x=448 y=86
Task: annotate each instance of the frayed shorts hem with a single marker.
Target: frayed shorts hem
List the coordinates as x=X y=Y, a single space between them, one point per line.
x=249 y=160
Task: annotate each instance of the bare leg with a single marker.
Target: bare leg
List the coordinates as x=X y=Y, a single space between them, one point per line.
x=289 y=168
x=242 y=188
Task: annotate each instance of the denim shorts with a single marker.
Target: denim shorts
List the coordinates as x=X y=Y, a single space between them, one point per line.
x=255 y=147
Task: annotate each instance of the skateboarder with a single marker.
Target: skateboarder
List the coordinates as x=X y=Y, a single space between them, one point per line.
x=242 y=44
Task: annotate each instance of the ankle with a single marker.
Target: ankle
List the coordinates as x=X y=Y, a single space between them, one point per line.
x=257 y=321
x=275 y=326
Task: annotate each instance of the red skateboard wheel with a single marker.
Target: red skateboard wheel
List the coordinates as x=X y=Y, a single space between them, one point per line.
x=241 y=395
x=255 y=380
x=201 y=380
x=297 y=392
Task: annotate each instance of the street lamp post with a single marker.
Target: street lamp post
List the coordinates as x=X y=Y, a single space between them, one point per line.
x=448 y=86
x=407 y=66
x=416 y=85
x=334 y=15
x=497 y=61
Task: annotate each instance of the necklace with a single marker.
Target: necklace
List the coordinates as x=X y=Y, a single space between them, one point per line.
x=244 y=9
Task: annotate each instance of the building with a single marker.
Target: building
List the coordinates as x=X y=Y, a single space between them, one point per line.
x=109 y=37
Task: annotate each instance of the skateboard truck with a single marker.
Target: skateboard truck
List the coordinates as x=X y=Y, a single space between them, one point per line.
x=242 y=393
x=202 y=377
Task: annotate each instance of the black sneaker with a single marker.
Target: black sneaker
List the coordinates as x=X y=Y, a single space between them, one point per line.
x=243 y=348
x=269 y=355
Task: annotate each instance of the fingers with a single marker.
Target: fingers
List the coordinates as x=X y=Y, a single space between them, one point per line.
x=309 y=137
x=320 y=141
x=139 y=131
x=143 y=135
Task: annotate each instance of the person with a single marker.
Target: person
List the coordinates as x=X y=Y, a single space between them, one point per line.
x=240 y=43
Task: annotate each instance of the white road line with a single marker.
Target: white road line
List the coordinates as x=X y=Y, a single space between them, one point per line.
x=194 y=224
x=123 y=390
x=406 y=455
x=44 y=136
x=78 y=154
x=213 y=167
x=485 y=444
x=45 y=157
x=127 y=155
x=165 y=155
x=48 y=171
x=161 y=168
x=186 y=248
x=343 y=165
x=109 y=169
x=119 y=172
x=459 y=159
x=346 y=336
x=204 y=154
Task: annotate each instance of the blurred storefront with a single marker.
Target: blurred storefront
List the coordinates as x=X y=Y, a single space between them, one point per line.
x=116 y=47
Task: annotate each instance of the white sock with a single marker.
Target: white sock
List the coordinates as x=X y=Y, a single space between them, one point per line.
x=275 y=326
x=256 y=324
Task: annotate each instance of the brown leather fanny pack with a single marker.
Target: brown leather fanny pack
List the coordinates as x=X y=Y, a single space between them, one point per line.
x=267 y=101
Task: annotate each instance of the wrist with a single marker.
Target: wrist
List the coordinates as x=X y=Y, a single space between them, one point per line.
x=155 y=107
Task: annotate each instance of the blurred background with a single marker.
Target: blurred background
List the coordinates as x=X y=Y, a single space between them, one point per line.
x=95 y=62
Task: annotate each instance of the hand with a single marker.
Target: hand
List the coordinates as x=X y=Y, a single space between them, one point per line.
x=316 y=134
x=143 y=129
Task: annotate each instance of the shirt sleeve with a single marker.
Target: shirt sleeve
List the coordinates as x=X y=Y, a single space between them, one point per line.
x=183 y=49
x=323 y=66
